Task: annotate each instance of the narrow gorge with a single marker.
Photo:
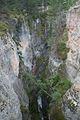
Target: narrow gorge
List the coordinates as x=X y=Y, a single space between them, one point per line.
x=39 y=60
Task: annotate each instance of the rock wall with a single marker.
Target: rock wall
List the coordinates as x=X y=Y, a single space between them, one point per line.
x=71 y=100
x=9 y=102
x=13 y=98
x=25 y=44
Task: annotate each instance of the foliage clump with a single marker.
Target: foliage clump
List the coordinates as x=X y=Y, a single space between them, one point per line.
x=55 y=86
x=3 y=27
x=23 y=108
x=62 y=50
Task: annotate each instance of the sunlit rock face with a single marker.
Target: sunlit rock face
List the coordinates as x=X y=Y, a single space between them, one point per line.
x=9 y=60
x=71 y=100
x=9 y=102
x=25 y=44
x=12 y=93
x=73 y=58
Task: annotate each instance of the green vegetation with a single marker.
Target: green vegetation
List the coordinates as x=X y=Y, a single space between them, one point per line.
x=55 y=86
x=32 y=7
x=56 y=113
x=3 y=27
x=58 y=5
x=23 y=108
x=62 y=50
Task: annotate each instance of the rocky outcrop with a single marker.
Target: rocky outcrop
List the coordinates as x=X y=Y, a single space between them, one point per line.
x=25 y=44
x=9 y=102
x=73 y=59
x=12 y=94
x=71 y=101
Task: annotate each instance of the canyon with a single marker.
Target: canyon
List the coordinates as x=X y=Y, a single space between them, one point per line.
x=39 y=65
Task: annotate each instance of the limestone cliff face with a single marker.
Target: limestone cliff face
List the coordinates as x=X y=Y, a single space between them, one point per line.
x=73 y=59
x=25 y=44
x=33 y=45
x=12 y=94
x=9 y=102
x=71 y=101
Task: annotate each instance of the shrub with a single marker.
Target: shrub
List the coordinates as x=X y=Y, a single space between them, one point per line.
x=3 y=26
x=62 y=50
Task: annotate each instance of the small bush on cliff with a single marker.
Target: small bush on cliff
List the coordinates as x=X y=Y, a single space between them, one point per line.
x=62 y=50
x=3 y=27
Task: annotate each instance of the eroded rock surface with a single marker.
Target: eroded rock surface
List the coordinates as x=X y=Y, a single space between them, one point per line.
x=25 y=44
x=71 y=101
x=12 y=93
x=9 y=102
